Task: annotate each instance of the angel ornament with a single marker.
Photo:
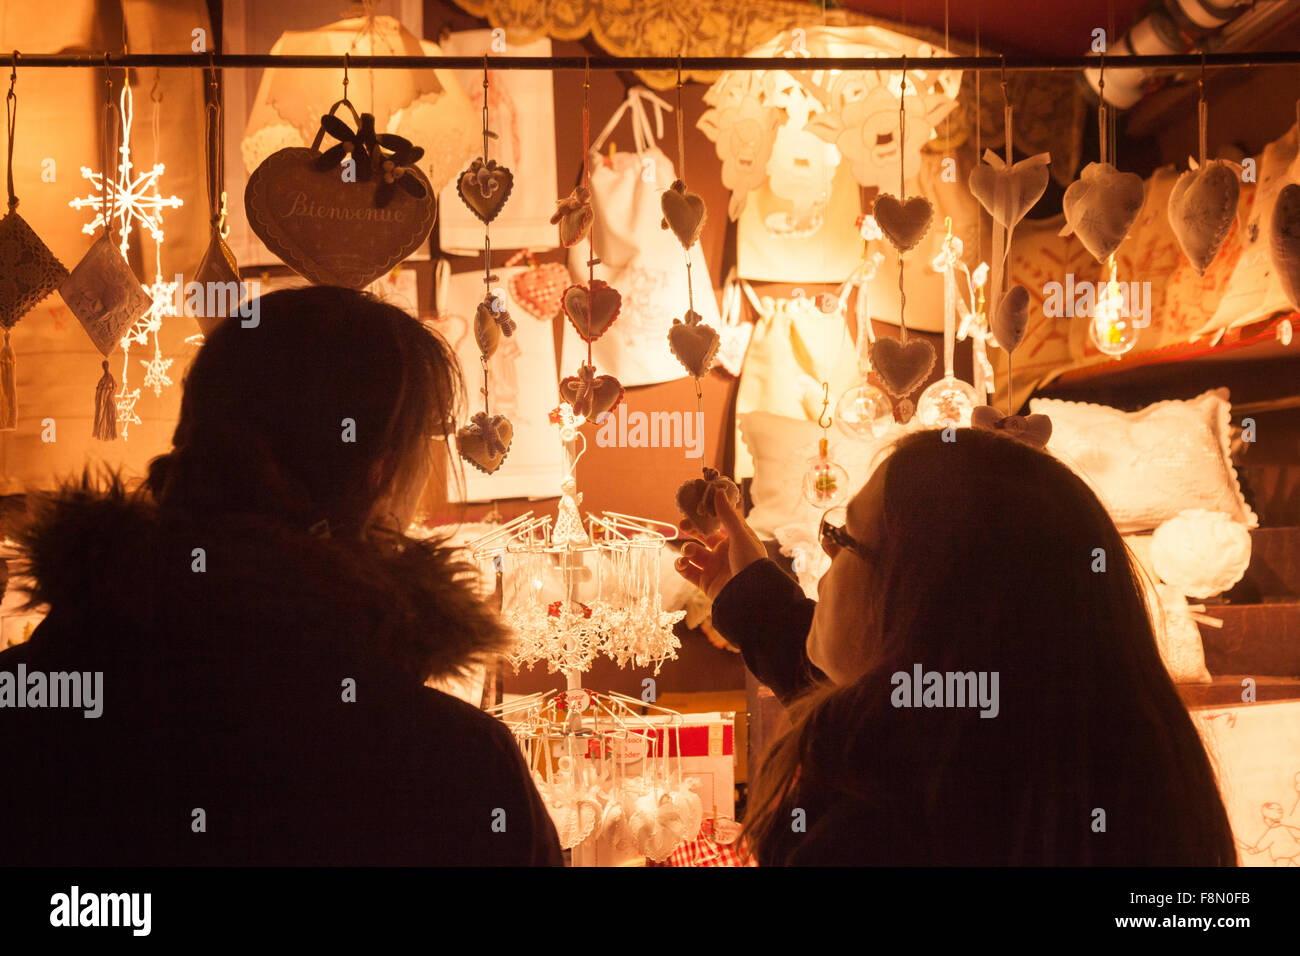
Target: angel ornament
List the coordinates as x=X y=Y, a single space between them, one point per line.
x=569 y=532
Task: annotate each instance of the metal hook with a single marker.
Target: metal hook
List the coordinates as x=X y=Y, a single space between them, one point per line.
x=1002 y=74
x=154 y=94
x=586 y=74
x=1200 y=82
x=346 y=58
x=902 y=86
x=823 y=420
x=13 y=70
x=108 y=79
x=679 y=71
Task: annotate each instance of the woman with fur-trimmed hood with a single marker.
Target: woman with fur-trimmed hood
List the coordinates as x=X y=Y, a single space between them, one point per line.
x=263 y=628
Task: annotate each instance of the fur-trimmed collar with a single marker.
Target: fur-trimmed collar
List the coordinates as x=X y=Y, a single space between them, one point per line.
x=111 y=562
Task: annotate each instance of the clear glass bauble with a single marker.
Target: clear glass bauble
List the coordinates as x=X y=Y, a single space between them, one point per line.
x=1112 y=335
x=864 y=412
x=947 y=402
x=825 y=483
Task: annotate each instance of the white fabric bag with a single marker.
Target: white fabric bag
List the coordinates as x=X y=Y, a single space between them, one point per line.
x=638 y=257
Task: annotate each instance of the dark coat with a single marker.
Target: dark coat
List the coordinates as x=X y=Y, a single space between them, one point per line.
x=224 y=692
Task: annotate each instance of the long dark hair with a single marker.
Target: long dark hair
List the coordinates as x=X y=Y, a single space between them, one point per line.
x=988 y=562
x=265 y=409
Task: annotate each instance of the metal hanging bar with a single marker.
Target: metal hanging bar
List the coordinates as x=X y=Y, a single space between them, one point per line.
x=694 y=64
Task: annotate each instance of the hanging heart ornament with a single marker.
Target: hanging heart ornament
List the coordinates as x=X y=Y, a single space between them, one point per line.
x=1284 y=241
x=592 y=312
x=485 y=187
x=901 y=368
x=1012 y=318
x=696 y=500
x=1100 y=206
x=1007 y=193
x=329 y=230
x=903 y=223
x=684 y=213
x=591 y=395
x=694 y=344
x=540 y=290
x=339 y=225
x=1202 y=205
x=573 y=215
x=485 y=442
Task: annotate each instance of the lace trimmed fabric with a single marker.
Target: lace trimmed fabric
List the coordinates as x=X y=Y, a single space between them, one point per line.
x=29 y=271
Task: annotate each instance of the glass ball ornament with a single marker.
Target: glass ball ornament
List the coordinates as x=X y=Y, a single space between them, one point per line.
x=947 y=403
x=864 y=412
x=825 y=483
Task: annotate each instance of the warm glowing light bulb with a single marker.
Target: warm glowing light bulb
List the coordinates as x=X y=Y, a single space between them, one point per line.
x=1113 y=328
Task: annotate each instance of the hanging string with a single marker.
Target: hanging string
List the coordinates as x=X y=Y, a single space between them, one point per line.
x=902 y=195
x=488 y=278
x=1202 y=111
x=592 y=261
x=215 y=169
x=1102 y=111
x=11 y=114
x=681 y=174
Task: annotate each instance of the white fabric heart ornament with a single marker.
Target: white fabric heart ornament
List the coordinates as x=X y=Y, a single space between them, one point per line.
x=1284 y=241
x=1007 y=193
x=657 y=826
x=1100 y=207
x=1202 y=205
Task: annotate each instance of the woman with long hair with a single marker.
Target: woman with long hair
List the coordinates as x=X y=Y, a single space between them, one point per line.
x=978 y=684
x=264 y=628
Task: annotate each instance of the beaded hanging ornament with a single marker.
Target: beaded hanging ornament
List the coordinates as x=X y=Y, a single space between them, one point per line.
x=484 y=187
x=901 y=365
x=590 y=309
x=102 y=291
x=29 y=271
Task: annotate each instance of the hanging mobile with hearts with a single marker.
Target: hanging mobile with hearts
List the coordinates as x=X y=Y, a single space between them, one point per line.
x=902 y=365
x=590 y=309
x=693 y=343
x=864 y=411
x=31 y=271
x=484 y=188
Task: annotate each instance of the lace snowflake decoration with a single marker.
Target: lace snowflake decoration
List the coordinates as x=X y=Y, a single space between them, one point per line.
x=133 y=198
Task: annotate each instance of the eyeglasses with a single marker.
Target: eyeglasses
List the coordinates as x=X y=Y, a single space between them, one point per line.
x=834 y=538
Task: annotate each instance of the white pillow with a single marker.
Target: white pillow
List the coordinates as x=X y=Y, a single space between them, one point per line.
x=1201 y=553
x=781 y=448
x=1147 y=466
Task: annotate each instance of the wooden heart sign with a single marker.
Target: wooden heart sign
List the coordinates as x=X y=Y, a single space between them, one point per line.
x=329 y=230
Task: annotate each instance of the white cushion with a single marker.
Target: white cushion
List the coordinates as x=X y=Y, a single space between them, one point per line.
x=1149 y=465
